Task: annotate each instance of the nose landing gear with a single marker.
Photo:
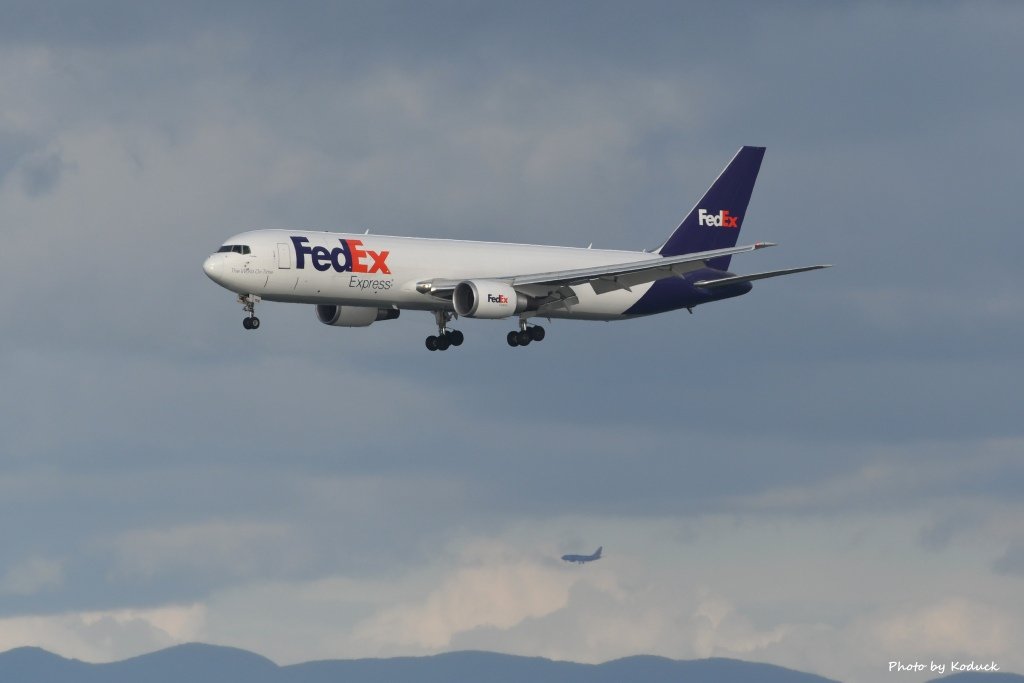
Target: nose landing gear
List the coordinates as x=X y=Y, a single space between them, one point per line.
x=445 y=338
x=249 y=301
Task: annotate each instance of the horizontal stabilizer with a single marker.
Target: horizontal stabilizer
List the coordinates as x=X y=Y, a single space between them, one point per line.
x=710 y=284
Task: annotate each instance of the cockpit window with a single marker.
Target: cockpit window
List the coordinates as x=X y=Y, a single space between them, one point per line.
x=236 y=248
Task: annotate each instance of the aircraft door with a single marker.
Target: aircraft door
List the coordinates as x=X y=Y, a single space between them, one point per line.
x=284 y=255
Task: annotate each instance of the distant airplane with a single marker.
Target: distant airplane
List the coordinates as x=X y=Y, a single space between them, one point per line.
x=580 y=559
x=356 y=280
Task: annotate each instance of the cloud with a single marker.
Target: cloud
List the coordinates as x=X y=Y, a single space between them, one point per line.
x=720 y=629
x=499 y=596
x=717 y=590
x=949 y=627
x=32 y=575
x=103 y=635
x=223 y=548
x=41 y=175
x=1011 y=562
x=938 y=533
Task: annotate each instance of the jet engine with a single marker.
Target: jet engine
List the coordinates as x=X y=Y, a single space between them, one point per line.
x=353 y=316
x=488 y=299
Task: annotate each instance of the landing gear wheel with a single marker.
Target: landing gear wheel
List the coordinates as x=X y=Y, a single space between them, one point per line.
x=249 y=301
x=523 y=338
x=513 y=338
x=445 y=338
x=536 y=333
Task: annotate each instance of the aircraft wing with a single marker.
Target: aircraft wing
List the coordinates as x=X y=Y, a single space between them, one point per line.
x=555 y=285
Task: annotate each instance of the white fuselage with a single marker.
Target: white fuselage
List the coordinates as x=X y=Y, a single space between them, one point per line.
x=303 y=266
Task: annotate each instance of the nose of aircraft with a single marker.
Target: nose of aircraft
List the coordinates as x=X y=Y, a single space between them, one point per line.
x=211 y=266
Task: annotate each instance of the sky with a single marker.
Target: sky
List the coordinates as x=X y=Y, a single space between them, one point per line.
x=824 y=474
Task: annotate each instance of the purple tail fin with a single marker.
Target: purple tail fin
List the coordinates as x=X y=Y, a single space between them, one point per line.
x=714 y=223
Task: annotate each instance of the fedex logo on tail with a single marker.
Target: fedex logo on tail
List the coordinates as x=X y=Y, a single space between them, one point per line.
x=722 y=219
x=349 y=257
x=500 y=299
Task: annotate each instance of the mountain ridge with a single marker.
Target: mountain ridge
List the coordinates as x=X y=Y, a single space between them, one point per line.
x=202 y=663
x=199 y=663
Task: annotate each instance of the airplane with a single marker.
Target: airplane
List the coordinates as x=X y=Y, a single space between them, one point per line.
x=580 y=559
x=355 y=280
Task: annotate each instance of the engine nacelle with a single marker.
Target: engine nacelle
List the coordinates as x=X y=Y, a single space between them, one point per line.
x=353 y=316
x=488 y=299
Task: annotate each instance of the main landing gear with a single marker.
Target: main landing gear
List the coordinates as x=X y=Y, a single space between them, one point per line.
x=445 y=338
x=525 y=334
x=249 y=301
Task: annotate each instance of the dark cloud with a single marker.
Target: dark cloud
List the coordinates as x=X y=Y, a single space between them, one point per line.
x=1011 y=563
x=40 y=175
x=940 y=532
x=13 y=147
